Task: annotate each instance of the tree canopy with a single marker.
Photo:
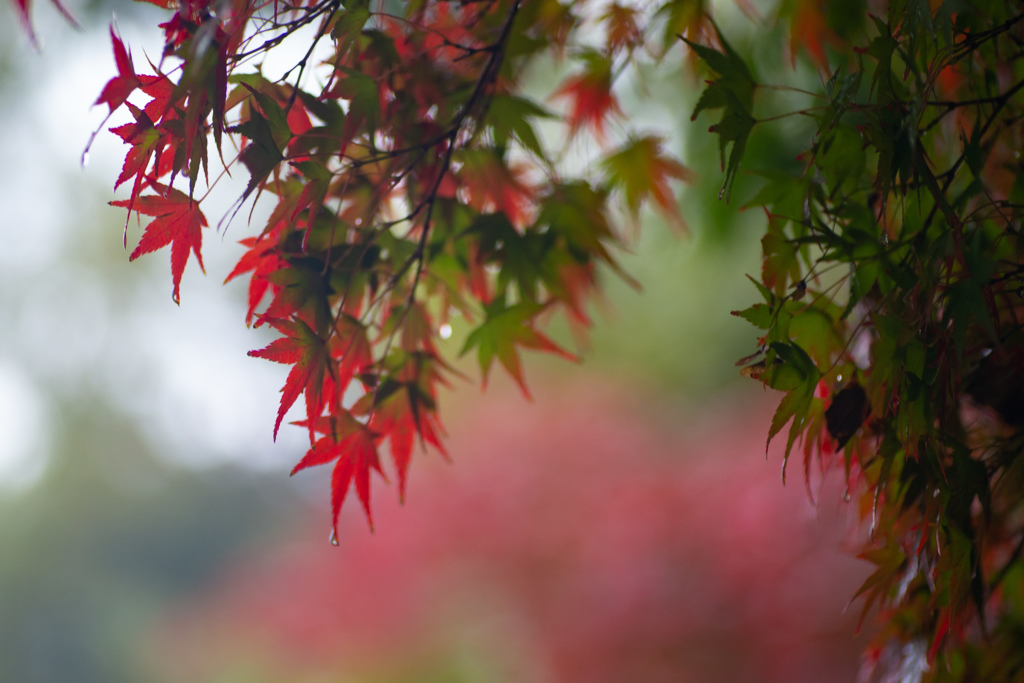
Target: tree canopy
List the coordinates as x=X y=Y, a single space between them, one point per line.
x=410 y=184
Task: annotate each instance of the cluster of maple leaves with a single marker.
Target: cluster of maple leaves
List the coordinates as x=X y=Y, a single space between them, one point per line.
x=410 y=186
x=891 y=313
x=413 y=184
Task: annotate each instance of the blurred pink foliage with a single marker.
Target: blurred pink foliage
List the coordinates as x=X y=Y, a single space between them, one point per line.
x=579 y=539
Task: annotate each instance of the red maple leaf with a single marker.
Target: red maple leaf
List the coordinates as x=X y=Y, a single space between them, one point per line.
x=144 y=139
x=177 y=221
x=401 y=416
x=150 y=141
x=263 y=259
x=494 y=185
x=810 y=31
x=351 y=347
x=161 y=89
x=573 y=283
x=355 y=447
x=308 y=352
x=590 y=95
x=118 y=88
x=23 y=8
x=142 y=136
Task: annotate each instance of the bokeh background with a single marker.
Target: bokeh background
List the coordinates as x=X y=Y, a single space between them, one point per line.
x=624 y=526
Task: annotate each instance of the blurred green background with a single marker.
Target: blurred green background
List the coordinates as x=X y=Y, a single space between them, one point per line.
x=626 y=526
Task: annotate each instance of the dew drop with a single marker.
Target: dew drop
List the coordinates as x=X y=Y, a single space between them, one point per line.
x=721 y=193
x=334 y=538
x=846 y=495
x=85 y=158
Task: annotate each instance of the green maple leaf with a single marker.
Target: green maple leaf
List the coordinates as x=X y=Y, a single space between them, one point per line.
x=732 y=90
x=642 y=170
x=505 y=329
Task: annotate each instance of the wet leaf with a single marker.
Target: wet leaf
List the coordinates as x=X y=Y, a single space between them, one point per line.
x=847 y=412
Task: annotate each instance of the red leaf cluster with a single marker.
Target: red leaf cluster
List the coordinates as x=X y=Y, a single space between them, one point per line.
x=411 y=186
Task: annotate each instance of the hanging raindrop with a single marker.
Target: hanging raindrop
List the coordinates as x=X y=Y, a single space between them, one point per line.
x=334 y=538
x=846 y=495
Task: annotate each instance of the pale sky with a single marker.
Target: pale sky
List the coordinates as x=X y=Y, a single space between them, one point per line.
x=183 y=372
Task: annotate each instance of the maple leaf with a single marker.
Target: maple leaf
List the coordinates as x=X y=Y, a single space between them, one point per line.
x=623 y=31
x=733 y=91
x=509 y=117
x=118 y=88
x=300 y=290
x=262 y=258
x=24 y=7
x=504 y=329
x=318 y=179
x=350 y=346
x=355 y=447
x=266 y=136
x=590 y=95
x=494 y=184
x=571 y=283
x=848 y=411
x=304 y=349
x=798 y=376
x=779 y=263
x=161 y=89
x=809 y=31
x=403 y=409
x=682 y=17
x=147 y=138
x=143 y=137
x=177 y=221
x=642 y=170
x=394 y=416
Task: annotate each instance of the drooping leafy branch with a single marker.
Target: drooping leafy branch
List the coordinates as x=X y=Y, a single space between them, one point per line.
x=892 y=294
x=412 y=183
x=409 y=185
